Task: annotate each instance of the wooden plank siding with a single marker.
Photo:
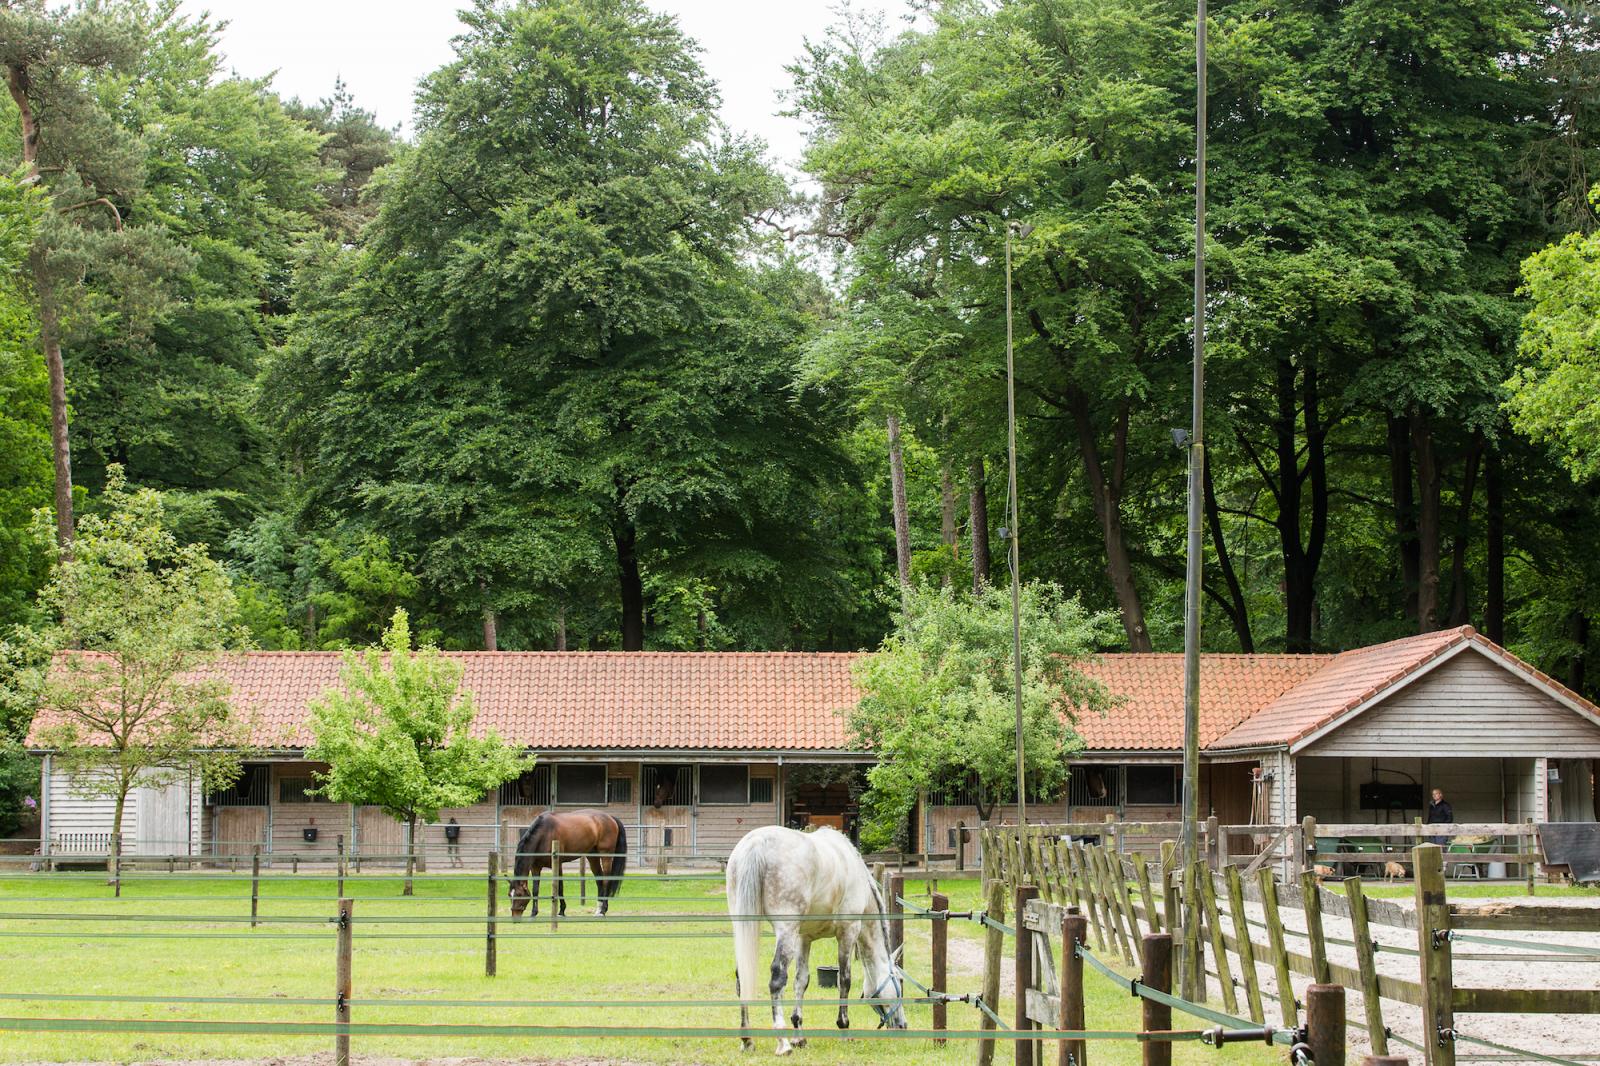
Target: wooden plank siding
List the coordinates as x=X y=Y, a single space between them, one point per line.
x=1467 y=707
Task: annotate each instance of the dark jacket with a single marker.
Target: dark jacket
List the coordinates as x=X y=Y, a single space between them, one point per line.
x=1441 y=812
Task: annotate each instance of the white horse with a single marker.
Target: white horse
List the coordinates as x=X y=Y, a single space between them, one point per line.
x=783 y=875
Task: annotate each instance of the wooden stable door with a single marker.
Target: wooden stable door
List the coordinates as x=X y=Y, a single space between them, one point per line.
x=378 y=835
x=237 y=830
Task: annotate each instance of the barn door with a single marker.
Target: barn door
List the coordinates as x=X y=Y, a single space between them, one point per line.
x=378 y=835
x=163 y=817
x=239 y=829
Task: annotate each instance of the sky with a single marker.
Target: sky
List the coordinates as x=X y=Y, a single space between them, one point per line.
x=382 y=47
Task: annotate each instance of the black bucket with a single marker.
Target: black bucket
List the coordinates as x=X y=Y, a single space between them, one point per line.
x=828 y=976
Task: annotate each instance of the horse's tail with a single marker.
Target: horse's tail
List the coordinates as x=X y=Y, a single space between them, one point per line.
x=745 y=874
x=619 y=858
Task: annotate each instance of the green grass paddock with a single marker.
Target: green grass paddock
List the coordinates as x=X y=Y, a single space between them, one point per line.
x=193 y=945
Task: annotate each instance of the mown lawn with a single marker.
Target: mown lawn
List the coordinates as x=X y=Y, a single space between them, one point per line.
x=189 y=947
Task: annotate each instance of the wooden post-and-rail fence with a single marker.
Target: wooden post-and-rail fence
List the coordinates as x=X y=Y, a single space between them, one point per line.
x=1090 y=891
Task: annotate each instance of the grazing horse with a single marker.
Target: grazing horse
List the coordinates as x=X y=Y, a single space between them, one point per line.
x=590 y=834
x=784 y=875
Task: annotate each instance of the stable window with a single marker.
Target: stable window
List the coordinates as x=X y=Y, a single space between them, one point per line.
x=253 y=788
x=1092 y=786
x=761 y=789
x=531 y=789
x=578 y=785
x=296 y=790
x=619 y=790
x=725 y=785
x=667 y=786
x=1155 y=785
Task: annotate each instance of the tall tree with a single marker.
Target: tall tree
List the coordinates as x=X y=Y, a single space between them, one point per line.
x=561 y=351
x=140 y=704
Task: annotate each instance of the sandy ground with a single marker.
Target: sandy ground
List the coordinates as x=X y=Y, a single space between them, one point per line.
x=1572 y=1036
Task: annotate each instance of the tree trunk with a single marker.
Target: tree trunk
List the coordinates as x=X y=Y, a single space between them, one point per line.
x=632 y=585
x=1298 y=397
x=1494 y=610
x=1405 y=510
x=1460 y=609
x=411 y=854
x=1428 y=522
x=60 y=444
x=1238 y=613
x=1577 y=666
x=114 y=862
x=978 y=522
x=1105 y=489
x=947 y=512
x=902 y=522
x=491 y=636
x=561 y=628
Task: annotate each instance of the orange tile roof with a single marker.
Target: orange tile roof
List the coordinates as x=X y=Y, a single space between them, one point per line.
x=1149 y=716
x=792 y=701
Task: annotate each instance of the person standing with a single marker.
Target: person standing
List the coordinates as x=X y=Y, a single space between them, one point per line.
x=1440 y=813
x=452 y=841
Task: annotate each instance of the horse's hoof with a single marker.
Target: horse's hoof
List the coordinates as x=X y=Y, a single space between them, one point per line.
x=746 y=1044
x=783 y=1048
x=843 y=1022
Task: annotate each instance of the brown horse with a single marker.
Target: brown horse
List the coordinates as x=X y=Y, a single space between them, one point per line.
x=590 y=834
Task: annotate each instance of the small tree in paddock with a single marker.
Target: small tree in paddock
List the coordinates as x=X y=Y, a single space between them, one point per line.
x=397 y=735
x=938 y=705
x=137 y=704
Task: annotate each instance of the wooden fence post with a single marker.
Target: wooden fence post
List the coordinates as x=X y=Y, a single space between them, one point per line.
x=1433 y=945
x=1192 y=965
x=340 y=892
x=116 y=865
x=1124 y=896
x=1069 y=877
x=255 y=883
x=1085 y=876
x=1074 y=933
x=1247 y=948
x=961 y=845
x=1111 y=870
x=1213 y=849
x=1219 y=945
x=1024 y=974
x=1141 y=870
x=342 y=983
x=1311 y=904
x=994 y=943
x=1280 y=954
x=897 y=925
x=1366 y=962
x=1530 y=848
x=1169 y=889
x=1308 y=844
x=489 y=960
x=1157 y=966
x=1224 y=849
x=1325 y=1023
x=939 y=937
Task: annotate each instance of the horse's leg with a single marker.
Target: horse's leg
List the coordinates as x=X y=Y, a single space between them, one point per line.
x=802 y=978
x=599 y=885
x=847 y=950
x=744 y=1012
x=533 y=887
x=788 y=938
x=559 y=885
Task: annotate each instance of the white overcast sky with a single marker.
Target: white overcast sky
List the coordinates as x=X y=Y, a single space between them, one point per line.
x=382 y=47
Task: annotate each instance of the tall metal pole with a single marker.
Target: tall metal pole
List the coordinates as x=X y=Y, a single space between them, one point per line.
x=1197 y=457
x=1016 y=575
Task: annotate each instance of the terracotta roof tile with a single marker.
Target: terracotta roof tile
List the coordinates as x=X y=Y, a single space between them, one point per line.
x=1349 y=680
x=791 y=701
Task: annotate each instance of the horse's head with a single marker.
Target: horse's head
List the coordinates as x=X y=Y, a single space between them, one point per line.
x=520 y=896
x=884 y=978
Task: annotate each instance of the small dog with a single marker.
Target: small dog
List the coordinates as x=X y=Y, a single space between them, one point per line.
x=1393 y=871
x=1324 y=872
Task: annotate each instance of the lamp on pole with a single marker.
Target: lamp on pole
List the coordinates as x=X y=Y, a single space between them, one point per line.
x=1189 y=980
x=1019 y=230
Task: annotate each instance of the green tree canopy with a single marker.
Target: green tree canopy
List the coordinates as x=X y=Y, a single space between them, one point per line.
x=939 y=709
x=397 y=734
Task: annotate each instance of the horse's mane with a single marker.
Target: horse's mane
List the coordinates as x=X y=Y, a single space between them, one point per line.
x=527 y=846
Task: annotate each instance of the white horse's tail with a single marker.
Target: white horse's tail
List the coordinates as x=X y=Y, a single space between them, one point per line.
x=745 y=875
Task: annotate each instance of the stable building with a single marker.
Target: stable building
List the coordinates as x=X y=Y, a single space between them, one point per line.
x=692 y=750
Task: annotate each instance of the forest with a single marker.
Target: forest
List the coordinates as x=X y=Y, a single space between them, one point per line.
x=575 y=366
